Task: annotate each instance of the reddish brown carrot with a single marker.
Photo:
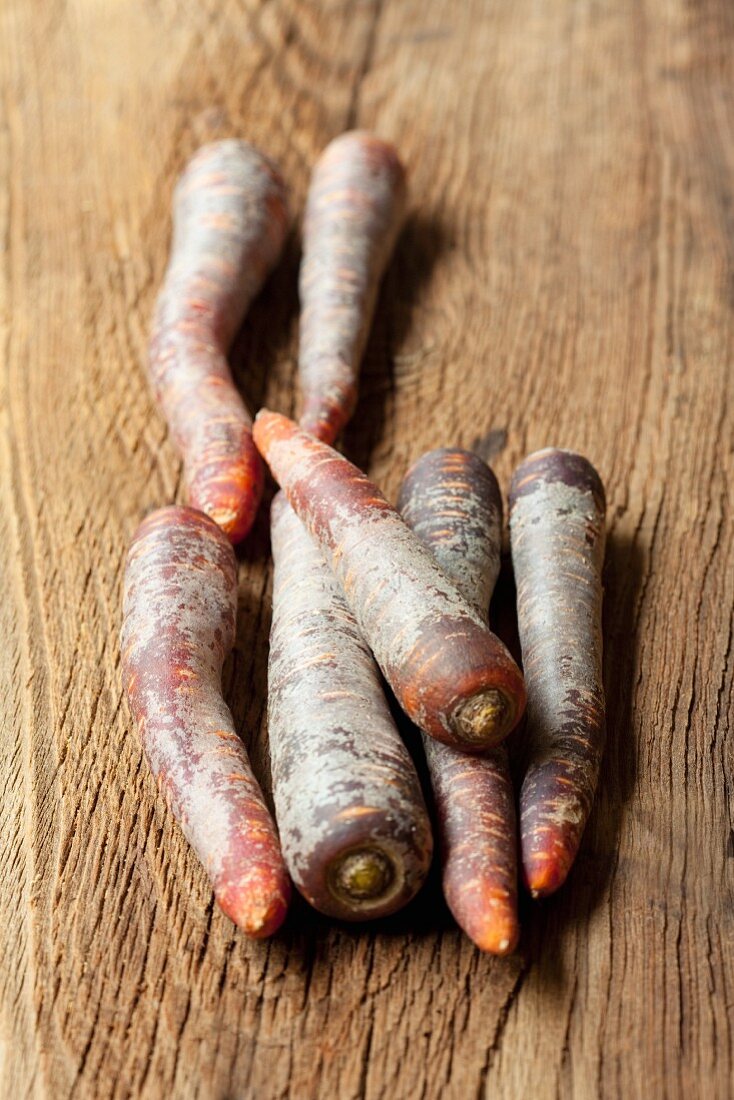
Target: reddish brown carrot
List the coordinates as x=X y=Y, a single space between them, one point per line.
x=352 y=820
x=451 y=499
x=557 y=509
x=451 y=675
x=354 y=211
x=230 y=222
x=178 y=626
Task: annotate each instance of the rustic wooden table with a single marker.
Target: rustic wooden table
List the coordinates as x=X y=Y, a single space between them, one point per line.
x=566 y=276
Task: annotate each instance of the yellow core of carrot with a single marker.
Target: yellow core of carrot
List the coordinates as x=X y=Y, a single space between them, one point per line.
x=363 y=875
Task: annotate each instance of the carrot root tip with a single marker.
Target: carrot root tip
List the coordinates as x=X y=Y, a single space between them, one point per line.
x=257 y=917
x=545 y=875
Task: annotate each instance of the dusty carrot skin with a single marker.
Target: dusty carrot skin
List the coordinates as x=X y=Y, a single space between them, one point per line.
x=451 y=675
x=180 y=599
x=354 y=211
x=353 y=824
x=230 y=223
x=451 y=499
x=557 y=510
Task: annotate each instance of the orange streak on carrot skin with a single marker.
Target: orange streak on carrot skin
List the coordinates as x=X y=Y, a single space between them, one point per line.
x=230 y=222
x=474 y=797
x=474 y=694
x=253 y=909
x=546 y=872
x=357 y=811
x=178 y=627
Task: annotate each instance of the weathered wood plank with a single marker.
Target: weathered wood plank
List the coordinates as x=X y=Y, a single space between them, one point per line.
x=565 y=277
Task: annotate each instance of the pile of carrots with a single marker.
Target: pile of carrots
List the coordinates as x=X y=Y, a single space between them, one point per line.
x=367 y=597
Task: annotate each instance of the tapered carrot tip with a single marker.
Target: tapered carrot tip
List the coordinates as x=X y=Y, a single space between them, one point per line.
x=487 y=916
x=546 y=871
x=258 y=909
x=229 y=493
x=497 y=935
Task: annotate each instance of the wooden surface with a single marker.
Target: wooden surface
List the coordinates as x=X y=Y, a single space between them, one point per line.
x=567 y=277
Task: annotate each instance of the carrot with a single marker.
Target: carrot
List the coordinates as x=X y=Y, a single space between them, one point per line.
x=180 y=600
x=354 y=211
x=451 y=675
x=557 y=509
x=353 y=824
x=451 y=499
x=230 y=222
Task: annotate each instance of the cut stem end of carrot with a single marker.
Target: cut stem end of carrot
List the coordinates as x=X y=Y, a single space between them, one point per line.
x=497 y=940
x=484 y=719
x=362 y=875
x=486 y=914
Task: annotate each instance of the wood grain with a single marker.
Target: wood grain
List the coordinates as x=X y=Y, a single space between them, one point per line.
x=566 y=277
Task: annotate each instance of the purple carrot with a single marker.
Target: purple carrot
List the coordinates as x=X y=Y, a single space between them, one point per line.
x=451 y=499
x=557 y=509
x=354 y=211
x=230 y=222
x=179 y=612
x=353 y=824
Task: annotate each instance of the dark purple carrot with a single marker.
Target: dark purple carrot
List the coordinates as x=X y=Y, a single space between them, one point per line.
x=557 y=509
x=451 y=675
x=451 y=499
x=354 y=211
x=179 y=612
x=353 y=824
x=230 y=222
